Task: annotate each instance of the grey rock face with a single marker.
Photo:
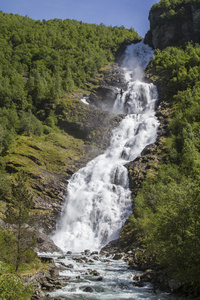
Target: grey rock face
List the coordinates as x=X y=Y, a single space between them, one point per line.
x=173 y=30
x=111 y=85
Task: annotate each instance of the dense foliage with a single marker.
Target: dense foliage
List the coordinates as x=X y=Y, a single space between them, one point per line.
x=41 y=61
x=173 y=10
x=166 y=218
x=12 y=288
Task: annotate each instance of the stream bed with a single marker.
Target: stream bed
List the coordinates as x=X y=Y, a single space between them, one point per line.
x=95 y=276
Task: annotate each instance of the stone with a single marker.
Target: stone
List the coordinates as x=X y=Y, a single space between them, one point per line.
x=88 y=289
x=95 y=253
x=94 y=273
x=117 y=256
x=138 y=284
x=113 y=82
x=45 y=243
x=61 y=257
x=95 y=257
x=46 y=259
x=100 y=278
x=70 y=266
x=174 y=285
x=87 y=252
x=54 y=272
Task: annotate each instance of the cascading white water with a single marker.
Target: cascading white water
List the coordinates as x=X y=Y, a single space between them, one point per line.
x=98 y=199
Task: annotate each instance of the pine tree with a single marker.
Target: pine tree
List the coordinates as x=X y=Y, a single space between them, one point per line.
x=18 y=213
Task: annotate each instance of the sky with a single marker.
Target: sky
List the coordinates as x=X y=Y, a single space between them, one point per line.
x=127 y=13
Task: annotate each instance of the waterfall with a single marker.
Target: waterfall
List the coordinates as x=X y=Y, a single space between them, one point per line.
x=99 y=199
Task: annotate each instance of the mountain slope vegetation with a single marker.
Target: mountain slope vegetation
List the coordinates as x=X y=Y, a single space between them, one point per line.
x=41 y=63
x=45 y=68
x=45 y=63
x=166 y=211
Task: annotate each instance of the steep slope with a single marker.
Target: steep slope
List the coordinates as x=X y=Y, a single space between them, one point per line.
x=46 y=69
x=174 y=23
x=165 y=179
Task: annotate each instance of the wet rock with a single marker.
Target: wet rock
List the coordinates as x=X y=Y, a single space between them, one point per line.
x=112 y=83
x=137 y=276
x=46 y=259
x=85 y=259
x=88 y=289
x=65 y=279
x=138 y=284
x=61 y=257
x=87 y=252
x=110 y=248
x=44 y=281
x=63 y=265
x=70 y=266
x=95 y=253
x=45 y=243
x=78 y=259
x=95 y=257
x=54 y=272
x=94 y=273
x=100 y=278
x=48 y=286
x=117 y=256
x=123 y=286
x=106 y=260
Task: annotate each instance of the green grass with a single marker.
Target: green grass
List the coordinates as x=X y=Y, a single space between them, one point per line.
x=49 y=152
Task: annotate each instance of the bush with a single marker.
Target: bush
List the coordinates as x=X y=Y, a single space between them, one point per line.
x=12 y=287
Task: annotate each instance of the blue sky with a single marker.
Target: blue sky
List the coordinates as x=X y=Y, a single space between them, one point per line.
x=130 y=13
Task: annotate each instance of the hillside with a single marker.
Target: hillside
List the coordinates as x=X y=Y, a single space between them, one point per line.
x=173 y=23
x=46 y=68
x=165 y=179
x=46 y=131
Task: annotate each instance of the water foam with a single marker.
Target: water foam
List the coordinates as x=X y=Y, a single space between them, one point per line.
x=99 y=199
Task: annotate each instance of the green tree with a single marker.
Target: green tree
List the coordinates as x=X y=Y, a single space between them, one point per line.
x=18 y=213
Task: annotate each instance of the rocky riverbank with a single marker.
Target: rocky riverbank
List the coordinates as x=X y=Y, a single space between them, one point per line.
x=81 y=271
x=88 y=273
x=46 y=280
x=148 y=271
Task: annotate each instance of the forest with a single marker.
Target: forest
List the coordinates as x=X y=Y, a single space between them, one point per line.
x=42 y=61
x=40 y=66
x=166 y=211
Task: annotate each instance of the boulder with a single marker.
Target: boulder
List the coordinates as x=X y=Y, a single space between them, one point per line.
x=117 y=256
x=174 y=285
x=94 y=273
x=45 y=243
x=88 y=289
x=87 y=252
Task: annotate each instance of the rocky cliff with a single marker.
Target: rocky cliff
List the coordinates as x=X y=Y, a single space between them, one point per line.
x=173 y=24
